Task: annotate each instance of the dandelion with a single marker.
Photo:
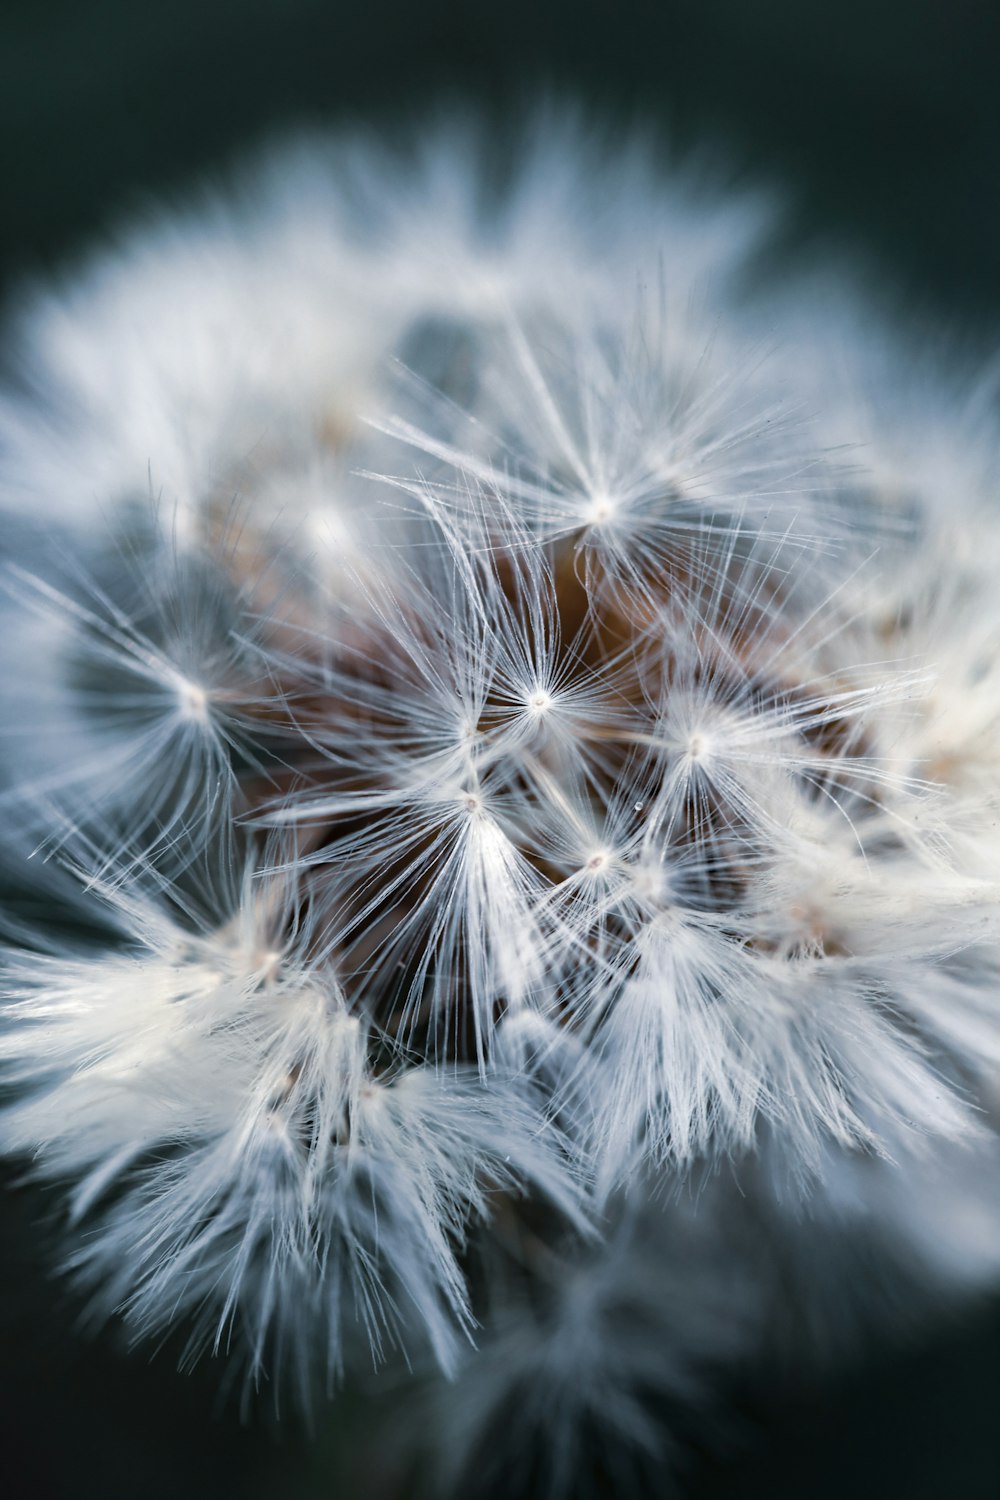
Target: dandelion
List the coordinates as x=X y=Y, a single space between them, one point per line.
x=530 y=797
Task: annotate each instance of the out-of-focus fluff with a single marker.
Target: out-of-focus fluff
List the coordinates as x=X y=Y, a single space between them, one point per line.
x=514 y=759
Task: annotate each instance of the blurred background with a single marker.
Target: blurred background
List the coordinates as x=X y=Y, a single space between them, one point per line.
x=880 y=120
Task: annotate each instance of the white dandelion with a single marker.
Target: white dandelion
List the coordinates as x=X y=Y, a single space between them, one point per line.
x=525 y=778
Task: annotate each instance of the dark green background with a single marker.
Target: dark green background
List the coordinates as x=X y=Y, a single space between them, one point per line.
x=881 y=119
x=881 y=114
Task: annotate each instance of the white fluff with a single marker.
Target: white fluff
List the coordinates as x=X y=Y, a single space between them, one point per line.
x=511 y=747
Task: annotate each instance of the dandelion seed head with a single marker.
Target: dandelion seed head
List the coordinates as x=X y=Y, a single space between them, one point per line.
x=512 y=772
